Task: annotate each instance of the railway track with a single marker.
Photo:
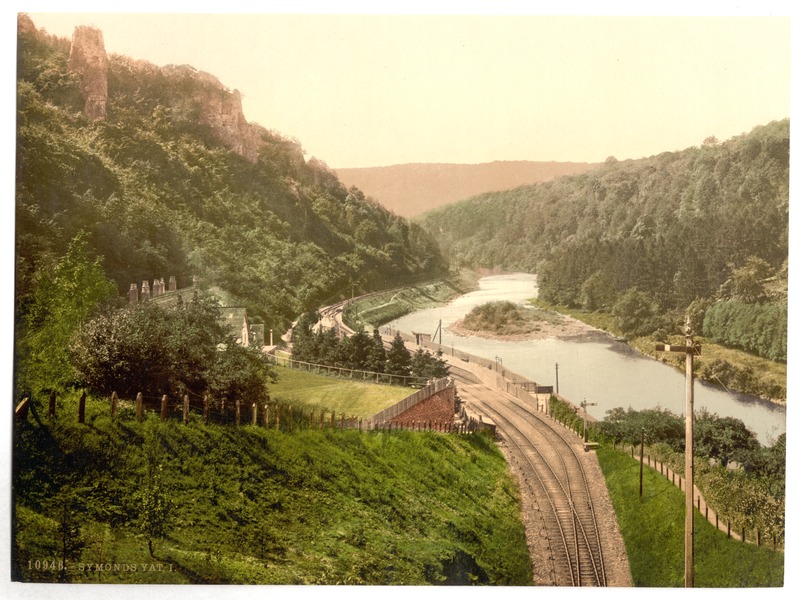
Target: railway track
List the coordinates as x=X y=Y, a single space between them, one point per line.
x=550 y=462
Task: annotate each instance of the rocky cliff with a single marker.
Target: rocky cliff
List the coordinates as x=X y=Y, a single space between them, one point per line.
x=88 y=60
x=220 y=109
x=203 y=96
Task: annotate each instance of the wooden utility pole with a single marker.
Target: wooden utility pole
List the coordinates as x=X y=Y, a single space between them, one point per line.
x=690 y=349
x=556 y=378
x=641 y=466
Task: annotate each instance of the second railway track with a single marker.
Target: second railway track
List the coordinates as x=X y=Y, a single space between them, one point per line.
x=552 y=468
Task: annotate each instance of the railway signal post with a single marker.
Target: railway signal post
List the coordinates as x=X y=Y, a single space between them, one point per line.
x=584 y=404
x=690 y=349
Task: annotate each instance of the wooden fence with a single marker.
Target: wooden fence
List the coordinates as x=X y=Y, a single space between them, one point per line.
x=280 y=416
x=755 y=537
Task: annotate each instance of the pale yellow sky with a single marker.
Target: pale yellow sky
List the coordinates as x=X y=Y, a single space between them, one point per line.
x=369 y=90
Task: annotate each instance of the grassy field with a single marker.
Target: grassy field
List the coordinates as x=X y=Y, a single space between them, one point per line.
x=653 y=530
x=249 y=505
x=318 y=392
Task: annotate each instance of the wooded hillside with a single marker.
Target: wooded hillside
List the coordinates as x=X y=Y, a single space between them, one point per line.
x=709 y=223
x=159 y=195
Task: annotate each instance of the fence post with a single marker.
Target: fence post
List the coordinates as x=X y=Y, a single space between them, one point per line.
x=255 y=413
x=51 y=412
x=333 y=419
x=729 y=528
x=164 y=407
x=82 y=408
x=205 y=408
x=266 y=414
x=139 y=406
x=114 y=400
x=322 y=419
x=758 y=538
x=185 y=409
x=743 y=532
x=311 y=420
x=222 y=408
x=277 y=416
x=238 y=411
x=290 y=417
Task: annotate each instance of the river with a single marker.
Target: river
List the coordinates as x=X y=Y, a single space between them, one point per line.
x=596 y=369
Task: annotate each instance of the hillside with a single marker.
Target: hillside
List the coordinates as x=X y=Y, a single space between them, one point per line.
x=162 y=170
x=222 y=504
x=411 y=189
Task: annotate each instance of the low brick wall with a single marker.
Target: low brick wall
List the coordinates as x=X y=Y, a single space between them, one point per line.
x=438 y=408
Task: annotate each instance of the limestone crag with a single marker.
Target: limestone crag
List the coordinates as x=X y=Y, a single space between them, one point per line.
x=88 y=59
x=194 y=95
x=220 y=109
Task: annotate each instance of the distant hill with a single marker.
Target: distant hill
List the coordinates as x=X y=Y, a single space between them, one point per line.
x=411 y=189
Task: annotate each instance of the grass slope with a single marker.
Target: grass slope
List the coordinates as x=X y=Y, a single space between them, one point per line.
x=318 y=392
x=653 y=530
x=257 y=506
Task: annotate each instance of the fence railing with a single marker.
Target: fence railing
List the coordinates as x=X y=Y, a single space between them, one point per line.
x=273 y=415
x=345 y=373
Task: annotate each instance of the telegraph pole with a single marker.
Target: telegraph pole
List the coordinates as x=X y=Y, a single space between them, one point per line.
x=556 y=378
x=690 y=349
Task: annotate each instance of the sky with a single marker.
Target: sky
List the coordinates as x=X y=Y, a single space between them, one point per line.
x=361 y=90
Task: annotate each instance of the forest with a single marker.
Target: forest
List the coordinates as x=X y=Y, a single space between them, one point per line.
x=157 y=195
x=649 y=240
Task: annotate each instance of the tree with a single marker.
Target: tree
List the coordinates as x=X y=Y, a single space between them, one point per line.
x=65 y=295
x=239 y=372
x=155 y=507
x=398 y=358
x=427 y=366
x=156 y=349
x=746 y=283
x=597 y=292
x=635 y=313
x=356 y=350
x=376 y=359
x=722 y=438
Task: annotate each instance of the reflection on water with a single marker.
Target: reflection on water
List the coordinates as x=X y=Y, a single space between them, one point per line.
x=595 y=368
